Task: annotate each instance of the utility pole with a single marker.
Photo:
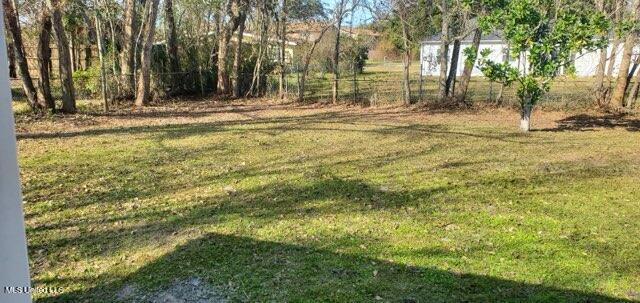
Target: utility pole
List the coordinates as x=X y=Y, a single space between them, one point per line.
x=13 y=254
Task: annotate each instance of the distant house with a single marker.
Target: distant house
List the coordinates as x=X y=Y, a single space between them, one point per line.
x=585 y=63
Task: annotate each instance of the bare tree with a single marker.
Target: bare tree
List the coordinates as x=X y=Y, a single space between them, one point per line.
x=236 y=74
x=401 y=9
x=618 y=17
x=307 y=60
x=64 y=58
x=103 y=78
x=600 y=91
x=11 y=21
x=263 y=40
x=283 y=45
x=172 y=43
x=617 y=97
x=128 y=46
x=45 y=99
x=144 y=82
x=228 y=25
x=468 y=66
x=91 y=38
x=444 y=49
x=339 y=12
x=12 y=60
x=633 y=93
x=453 y=68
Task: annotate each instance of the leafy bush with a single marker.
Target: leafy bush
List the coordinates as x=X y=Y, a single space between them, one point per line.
x=87 y=82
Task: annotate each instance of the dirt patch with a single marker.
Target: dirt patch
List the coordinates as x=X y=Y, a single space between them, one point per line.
x=189 y=290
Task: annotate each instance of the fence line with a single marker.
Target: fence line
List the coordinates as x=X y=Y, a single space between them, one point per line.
x=366 y=89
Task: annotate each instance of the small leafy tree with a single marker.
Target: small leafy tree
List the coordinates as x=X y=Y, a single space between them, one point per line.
x=546 y=34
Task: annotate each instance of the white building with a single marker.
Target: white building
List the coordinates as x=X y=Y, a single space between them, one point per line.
x=585 y=63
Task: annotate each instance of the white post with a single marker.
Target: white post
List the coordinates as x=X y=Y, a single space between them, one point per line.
x=14 y=267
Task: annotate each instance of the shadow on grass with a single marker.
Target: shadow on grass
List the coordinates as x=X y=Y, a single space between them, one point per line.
x=198 y=110
x=585 y=122
x=276 y=125
x=250 y=270
x=262 y=206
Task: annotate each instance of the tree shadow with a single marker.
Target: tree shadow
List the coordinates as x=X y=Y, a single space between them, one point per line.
x=249 y=270
x=261 y=205
x=184 y=110
x=326 y=121
x=202 y=127
x=586 y=122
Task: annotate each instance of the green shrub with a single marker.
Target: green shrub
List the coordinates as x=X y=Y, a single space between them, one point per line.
x=87 y=82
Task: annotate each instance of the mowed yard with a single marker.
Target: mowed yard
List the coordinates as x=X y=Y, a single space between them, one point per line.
x=255 y=202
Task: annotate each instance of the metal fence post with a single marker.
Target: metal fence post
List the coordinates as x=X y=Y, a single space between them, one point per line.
x=353 y=86
x=421 y=76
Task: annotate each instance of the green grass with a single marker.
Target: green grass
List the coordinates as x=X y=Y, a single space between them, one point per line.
x=335 y=204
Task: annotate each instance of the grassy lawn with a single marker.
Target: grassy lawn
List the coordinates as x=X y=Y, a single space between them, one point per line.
x=273 y=203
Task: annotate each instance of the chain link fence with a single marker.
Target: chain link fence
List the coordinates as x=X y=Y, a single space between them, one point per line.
x=373 y=90
x=366 y=89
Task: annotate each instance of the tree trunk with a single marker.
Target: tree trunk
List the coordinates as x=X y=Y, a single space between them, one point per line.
x=128 y=47
x=617 y=97
x=12 y=60
x=618 y=14
x=444 y=50
x=223 y=76
x=64 y=59
x=45 y=99
x=237 y=77
x=632 y=70
x=144 y=82
x=172 y=44
x=619 y=90
x=72 y=49
x=91 y=35
x=633 y=94
x=406 y=63
x=500 y=94
x=307 y=61
x=453 y=68
x=11 y=21
x=612 y=59
x=103 y=78
x=114 y=58
x=336 y=52
x=226 y=30
x=283 y=45
x=468 y=67
x=256 y=80
x=600 y=90
x=405 y=71
x=598 y=85
x=525 y=116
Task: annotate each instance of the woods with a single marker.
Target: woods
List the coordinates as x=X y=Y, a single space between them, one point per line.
x=148 y=50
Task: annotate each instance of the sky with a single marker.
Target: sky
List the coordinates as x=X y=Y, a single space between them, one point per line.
x=360 y=17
